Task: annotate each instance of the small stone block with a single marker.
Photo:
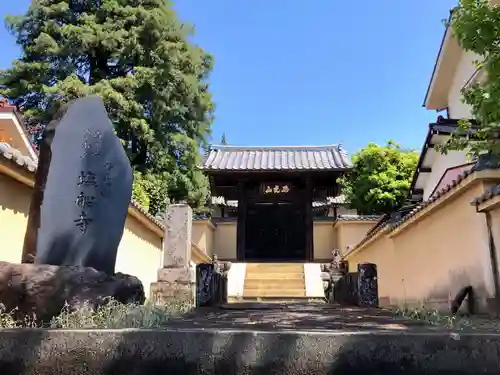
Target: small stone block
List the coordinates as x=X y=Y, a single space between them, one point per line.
x=165 y=292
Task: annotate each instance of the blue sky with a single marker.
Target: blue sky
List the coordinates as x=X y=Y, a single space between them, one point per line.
x=317 y=72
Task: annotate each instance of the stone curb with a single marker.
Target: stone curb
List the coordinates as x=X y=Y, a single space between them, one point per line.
x=215 y=351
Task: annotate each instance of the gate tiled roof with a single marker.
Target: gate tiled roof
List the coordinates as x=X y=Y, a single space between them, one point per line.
x=235 y=158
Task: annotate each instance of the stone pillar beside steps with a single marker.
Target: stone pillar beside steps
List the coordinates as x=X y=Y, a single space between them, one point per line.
x=367 y=288
x=176 y=279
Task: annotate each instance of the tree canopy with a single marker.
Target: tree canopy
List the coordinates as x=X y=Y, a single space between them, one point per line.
x=136 y=55
x=476 y=25
x=380 y=180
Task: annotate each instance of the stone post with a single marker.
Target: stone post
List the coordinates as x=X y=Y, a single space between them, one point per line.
x=175 y=279
x=206 y=285
x=367 y=285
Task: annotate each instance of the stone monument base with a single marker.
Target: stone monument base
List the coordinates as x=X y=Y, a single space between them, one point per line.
x=173 y=284
x=41 y=291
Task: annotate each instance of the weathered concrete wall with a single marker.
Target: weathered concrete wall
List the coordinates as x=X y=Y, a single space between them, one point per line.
x=220 y=352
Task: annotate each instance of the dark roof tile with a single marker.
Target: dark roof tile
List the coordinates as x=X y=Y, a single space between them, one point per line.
x=489 y=194
x=358 y=217
x=235 y=158
x=10 y=153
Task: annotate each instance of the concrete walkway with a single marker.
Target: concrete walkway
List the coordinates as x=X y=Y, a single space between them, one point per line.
x=298 y=316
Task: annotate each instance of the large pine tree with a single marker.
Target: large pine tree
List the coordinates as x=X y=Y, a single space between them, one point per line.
x=136 y=55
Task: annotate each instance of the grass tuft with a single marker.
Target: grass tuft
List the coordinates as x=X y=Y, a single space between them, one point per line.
x=112 y=315
x=430 y=316
x=447 y=320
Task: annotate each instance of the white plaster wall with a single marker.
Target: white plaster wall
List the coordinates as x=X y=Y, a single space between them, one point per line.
x=314 y=284
x=236 y=279
x=439 y=166
x=465 y=70
x=139 y=253
x=343 y=210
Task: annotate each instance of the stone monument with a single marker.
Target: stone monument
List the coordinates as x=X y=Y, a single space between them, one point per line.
x=31 y=235
x=84 y=186
x=175 y=279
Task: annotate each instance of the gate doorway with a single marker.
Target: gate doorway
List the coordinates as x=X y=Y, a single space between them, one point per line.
x=275 y=231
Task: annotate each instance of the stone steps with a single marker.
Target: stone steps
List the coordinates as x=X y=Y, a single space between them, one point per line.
x=258 y=301
x=274 y=265
x=297 y=283
x=274 y=293
x=274 y=281
x=262 y=275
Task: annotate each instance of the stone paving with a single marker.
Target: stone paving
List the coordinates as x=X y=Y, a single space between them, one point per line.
x=298 y=316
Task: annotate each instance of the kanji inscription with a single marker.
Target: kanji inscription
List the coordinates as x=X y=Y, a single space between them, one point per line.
x=276 y=189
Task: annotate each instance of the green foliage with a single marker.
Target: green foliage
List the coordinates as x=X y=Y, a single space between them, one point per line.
x=134 y=54
x=139 y=193
x=381 y=178
x=153 y=188
x=476 y=24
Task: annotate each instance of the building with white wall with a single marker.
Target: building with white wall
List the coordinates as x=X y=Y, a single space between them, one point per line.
x=455 y=69
x=435 y=170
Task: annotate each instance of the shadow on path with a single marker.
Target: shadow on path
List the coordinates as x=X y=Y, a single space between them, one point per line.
x=299 y=316
x=303 y=339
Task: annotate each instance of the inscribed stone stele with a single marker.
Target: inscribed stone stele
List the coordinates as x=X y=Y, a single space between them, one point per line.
x=87 y=190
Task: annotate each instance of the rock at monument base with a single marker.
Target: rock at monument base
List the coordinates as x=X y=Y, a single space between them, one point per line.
x=42 y=291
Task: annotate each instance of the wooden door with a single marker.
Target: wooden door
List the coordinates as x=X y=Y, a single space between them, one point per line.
x=275 y=232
